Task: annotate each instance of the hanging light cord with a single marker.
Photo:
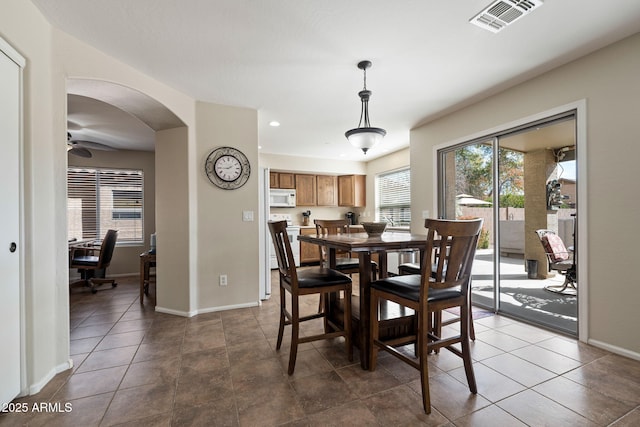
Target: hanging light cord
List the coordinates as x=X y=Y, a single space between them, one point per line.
x=364 y=97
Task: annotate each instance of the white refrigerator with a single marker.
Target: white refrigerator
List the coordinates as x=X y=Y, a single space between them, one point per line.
x=264 y=239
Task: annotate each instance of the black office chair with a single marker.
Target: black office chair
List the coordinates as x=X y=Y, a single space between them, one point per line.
x=93 y=268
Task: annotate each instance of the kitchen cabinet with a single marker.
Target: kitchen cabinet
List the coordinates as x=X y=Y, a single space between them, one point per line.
x=305 y=190
x=352 y=190
x=281 y=180
x=326 y=190
x=309 y=253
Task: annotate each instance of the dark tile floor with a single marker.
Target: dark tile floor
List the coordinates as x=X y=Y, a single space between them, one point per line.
x=133 y=366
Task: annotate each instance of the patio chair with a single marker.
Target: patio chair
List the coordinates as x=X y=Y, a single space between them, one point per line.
x=561 y=260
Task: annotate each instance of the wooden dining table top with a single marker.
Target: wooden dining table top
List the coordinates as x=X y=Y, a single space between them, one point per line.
x=357 y=242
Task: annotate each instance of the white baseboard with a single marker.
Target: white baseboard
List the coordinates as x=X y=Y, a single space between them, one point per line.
x=227 y=307
x=615 y=349
x=206 y=310
x=37 y=387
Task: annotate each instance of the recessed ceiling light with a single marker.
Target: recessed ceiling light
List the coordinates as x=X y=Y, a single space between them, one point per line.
x=274 y=124
x=259 y=147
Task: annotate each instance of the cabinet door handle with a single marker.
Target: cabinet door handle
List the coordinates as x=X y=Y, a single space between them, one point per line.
x=13 y=247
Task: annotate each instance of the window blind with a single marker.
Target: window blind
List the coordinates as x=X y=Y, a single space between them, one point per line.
x=102 y=199
x=393 y=201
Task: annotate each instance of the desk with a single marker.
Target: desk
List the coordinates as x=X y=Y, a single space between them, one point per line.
x=364 y=246
x=147 y=261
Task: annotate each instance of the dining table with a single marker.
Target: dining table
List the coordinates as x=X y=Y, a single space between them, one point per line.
x=364 y=246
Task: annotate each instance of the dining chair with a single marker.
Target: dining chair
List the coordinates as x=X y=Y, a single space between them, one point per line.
x=443 y=286
x=92 y=266
x=345 y=264
x=307 y=281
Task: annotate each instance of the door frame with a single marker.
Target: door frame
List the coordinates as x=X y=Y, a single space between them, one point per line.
x=580 y=108
x=13 y=54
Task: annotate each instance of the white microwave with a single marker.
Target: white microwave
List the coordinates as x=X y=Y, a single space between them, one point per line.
x=282 y=198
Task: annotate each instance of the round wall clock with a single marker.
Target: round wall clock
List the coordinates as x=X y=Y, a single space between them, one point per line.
x=227 y=168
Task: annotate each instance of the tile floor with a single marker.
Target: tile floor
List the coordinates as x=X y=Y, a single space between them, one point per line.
x=136 y=367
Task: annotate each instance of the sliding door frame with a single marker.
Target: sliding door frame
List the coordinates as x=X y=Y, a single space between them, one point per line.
x=579 y=110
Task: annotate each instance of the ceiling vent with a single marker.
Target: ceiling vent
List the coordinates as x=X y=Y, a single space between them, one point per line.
x=501 y=13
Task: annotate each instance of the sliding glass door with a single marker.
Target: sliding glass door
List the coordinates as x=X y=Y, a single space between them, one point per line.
x=466 y=191
x=507 y=179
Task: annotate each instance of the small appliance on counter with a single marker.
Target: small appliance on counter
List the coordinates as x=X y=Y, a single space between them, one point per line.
x=351 y=217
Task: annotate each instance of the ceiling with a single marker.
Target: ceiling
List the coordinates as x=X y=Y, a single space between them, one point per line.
x=295 y=61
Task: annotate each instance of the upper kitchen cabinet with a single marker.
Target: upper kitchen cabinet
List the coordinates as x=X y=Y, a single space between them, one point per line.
x=352 y=190
x=305 y=190
x=281 y=180
x=327 y=190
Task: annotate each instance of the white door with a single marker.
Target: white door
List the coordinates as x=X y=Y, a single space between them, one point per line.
x=9 y=228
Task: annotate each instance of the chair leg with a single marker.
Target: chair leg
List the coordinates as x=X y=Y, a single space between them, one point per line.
x=466 y=350
x=283 y=302
x=295 y=333
x=347 y=324
x=423 y=352
x=374 y=330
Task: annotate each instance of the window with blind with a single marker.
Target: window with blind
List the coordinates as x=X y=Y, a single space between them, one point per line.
x=393 y=197
x=103 y=199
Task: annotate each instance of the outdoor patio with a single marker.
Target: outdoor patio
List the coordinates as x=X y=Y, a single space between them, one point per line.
x=523 y=297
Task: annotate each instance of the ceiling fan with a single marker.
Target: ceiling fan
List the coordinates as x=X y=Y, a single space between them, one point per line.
x=81 y=148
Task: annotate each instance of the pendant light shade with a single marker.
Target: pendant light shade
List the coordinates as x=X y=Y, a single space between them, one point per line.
x=365 y=137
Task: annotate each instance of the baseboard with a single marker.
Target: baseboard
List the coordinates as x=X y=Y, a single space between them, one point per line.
x=37 y=387
x=176 y=312
x=615 y=349
x=227 y=307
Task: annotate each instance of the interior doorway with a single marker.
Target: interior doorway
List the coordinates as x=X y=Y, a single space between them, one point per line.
x=520 y=180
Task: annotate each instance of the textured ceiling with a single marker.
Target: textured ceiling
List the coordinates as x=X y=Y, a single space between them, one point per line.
x=295 y=61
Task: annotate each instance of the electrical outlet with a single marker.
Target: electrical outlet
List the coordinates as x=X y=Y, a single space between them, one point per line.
x=223 y=280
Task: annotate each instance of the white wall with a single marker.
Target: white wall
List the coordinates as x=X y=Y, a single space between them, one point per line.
x=609 y=80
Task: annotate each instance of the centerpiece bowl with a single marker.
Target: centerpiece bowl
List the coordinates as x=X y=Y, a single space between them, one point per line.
x=374 y=229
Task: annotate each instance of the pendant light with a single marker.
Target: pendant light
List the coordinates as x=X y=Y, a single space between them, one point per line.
x=365 y=137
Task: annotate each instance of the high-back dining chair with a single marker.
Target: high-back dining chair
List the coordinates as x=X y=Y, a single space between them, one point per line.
x=442 y=284
x=344 y=264
x=307 y=281
x=92 y=265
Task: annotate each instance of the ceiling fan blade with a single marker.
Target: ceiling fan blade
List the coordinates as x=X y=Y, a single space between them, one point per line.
x=93 y=145
x=81 y=152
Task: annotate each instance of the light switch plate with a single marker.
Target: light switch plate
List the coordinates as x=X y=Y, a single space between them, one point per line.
x=425 y=214
x=247 y=215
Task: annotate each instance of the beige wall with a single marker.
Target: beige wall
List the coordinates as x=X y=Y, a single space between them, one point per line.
x=609 y=81
x=226 y=244
x=126 y=258
x=174 y=286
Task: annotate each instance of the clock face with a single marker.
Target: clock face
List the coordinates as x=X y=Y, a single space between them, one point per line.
x=227 y=168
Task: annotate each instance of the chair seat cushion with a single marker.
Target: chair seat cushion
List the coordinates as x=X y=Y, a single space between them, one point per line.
x=562 y=265
x=314 y=277
x=349 y=263
x=409 y=268
x=86 y=260
x=408 y=286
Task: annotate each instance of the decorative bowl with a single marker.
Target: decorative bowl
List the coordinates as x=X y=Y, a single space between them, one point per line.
x=374 y=229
